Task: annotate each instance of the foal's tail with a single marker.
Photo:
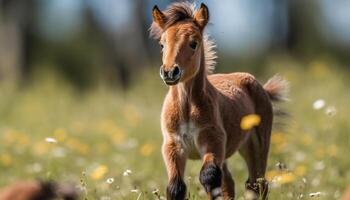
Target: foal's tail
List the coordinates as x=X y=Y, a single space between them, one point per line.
x=277 y=89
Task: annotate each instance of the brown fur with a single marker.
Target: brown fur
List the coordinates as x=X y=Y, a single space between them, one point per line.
x=36 y=190
x=346 y=195
x=201 y=115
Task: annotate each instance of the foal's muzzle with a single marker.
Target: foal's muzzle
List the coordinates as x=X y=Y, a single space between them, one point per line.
x=171 y=77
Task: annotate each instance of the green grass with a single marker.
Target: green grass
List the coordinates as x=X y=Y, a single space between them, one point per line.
x=104 y=132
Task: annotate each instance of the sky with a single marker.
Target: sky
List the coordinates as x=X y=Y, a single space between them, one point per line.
x=240 y=26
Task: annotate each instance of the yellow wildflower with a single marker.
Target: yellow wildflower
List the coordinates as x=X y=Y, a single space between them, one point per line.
x=280 y=177
x=146 y=149
x=6 y=159
x=118 y=137
x=105 y=126
x=332 y=150
x=286 y=178
x=306 y=139
x=41 y=148
x=78 y=146
x=13 y=136
x=23 y=139
x=271 y=174
x=278 y=138
x=60 y=134
x=249 y=121
x=99 y=172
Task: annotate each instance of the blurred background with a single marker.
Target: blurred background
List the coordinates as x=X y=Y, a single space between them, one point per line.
x=80 y=94
x=88 y=40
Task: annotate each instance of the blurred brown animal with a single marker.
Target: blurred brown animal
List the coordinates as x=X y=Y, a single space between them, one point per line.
x=201 y=113
x=37 y=190
x=346 y=195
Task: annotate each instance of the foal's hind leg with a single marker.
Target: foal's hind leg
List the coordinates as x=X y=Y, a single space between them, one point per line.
x=256 y=149
x=255 y=153
x=228 y=185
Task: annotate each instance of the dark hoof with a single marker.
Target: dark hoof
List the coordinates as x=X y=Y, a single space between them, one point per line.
x=260 y=187
x=210 y=178
x=176 y=189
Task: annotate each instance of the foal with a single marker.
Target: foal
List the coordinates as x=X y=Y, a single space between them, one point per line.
x=202 y=113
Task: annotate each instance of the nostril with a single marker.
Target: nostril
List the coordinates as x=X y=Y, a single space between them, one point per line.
x=164 y=74
x=175 y=72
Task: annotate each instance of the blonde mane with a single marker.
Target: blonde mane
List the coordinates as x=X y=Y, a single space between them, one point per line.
x=184 y=11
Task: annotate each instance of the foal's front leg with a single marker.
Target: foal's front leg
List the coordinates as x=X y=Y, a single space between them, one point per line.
x=175 y=161
x=211 y=143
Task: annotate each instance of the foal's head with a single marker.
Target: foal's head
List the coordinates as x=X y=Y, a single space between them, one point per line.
x=180 y=32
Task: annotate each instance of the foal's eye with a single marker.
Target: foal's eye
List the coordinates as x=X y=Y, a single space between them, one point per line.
x=161 y=46
x=193 y=45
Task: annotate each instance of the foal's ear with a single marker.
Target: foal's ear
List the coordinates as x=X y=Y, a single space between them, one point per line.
x=201 y=17
x=158 y=17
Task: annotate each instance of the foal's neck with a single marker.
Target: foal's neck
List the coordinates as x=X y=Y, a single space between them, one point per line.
x=196 y=86
x=193 y=91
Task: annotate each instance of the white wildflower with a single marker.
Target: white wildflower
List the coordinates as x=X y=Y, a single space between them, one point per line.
x=319 y=104
x=249 y=195
x=110 y=180
x=304 y=180
x=50 y=140
x=315 y=194
x=319 y=166
x=155 y=191
x=135 y=191
x=127 y=172
x=81 y=188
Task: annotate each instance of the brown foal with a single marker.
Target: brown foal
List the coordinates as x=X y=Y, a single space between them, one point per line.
x=202 y=113
x=38 y=190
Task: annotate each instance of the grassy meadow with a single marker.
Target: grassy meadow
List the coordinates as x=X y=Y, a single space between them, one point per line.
x=107 y=141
